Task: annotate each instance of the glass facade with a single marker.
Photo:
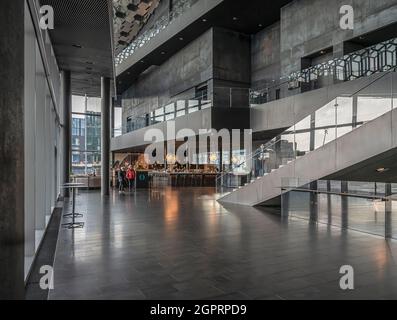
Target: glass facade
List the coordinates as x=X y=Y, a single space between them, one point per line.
x=42 y=130
x=86 y=135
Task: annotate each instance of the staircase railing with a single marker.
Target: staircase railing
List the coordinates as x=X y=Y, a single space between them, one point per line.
x=328 y=123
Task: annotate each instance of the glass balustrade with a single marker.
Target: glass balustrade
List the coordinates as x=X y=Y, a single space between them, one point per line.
x=334 y=120
x=169 y=112
x=368 y=207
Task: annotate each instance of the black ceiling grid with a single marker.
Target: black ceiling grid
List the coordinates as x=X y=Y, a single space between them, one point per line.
x=82 y=42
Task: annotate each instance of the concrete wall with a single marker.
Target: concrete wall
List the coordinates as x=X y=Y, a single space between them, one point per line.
x=231 y=69
x=308 y=26
x=219 y=57
x=176 y=78
x=265 y=60
x=231 y=59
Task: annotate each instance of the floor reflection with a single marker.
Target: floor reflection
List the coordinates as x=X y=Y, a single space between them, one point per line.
x=182 y=244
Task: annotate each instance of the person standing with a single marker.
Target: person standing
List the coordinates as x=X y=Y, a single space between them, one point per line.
x=130 y=177
x=121 y=178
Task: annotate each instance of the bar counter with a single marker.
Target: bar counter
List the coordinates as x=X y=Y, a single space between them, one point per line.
x=183 y=179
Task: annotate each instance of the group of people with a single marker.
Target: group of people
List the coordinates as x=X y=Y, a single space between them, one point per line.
x=126 y=177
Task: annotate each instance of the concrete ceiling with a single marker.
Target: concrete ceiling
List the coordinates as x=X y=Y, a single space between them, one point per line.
x=82 y=42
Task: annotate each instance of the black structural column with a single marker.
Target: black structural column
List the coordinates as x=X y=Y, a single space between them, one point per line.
x=105 y=136
x=12 y=149
x=112 y=118
x=66 y=104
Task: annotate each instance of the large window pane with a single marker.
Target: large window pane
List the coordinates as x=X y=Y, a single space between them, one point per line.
x=86 y=136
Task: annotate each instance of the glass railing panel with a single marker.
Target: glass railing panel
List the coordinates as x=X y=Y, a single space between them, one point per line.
x=323 y=185
x=193 y=106
x=335 y=186
x=372 y=107
x=180 y=108
x=363 y=206
x=169 y=111
x=285 y=149
x=325 y=125
x=363 y=188
x=302 y=134
x=366 y=215
x=374 y=100
x=334 y=120
x=206 y=104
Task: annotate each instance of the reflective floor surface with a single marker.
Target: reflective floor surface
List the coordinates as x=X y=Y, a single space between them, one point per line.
x=182 y=244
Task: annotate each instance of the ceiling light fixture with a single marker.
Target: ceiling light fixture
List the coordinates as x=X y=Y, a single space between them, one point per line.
x=235 y=18
x=381 y=170
x=181 y=38
x=204 y=20
x=76 y=45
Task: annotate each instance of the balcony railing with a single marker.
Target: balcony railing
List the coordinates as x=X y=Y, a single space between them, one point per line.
x=377 y=58
x=367 y=207
x=169 y=112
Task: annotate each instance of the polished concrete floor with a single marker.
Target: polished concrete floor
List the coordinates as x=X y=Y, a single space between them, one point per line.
x=182 y=244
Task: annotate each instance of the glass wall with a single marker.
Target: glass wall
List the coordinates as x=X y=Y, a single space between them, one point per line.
x=42 y=144
x=86 y=135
